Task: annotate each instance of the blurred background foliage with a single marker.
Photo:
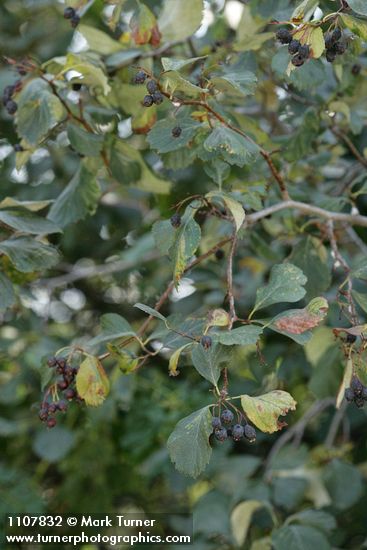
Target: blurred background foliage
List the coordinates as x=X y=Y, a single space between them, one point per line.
x=114 y=458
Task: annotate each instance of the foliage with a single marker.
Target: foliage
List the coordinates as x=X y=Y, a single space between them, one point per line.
x=204 y=162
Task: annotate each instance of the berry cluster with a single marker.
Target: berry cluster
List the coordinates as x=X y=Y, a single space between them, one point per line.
x=356 y=393
x=10 y=105
x=224 y=428
x=299 y=52
x=65 y=383
x=334 y=44
x=71 y=14
x=154 y=96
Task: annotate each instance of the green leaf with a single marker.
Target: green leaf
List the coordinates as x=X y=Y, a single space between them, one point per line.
x=359 y=6
x=234 y=206
x=185 y=244
x=235 y=83
x=241 y=518
x=265 y=410
x=39 y=110
x=344 y=483
x=179 y=20
x=33 y=206
x=175 y=64
x=7 y=296
x=311 y=256
x=188 y=445
x=209 y=362
x=92 y=76
x=26 y=222
x=289 y=492
x=361 y=299
x=315 y=518
x=99 y=41
x=304 y=10
x=285 y=285
x=160 y=136
x=356 y=25
x=301 y=537
x=84 y=142
x=92 y=383
x=78 y=199
x=241 y=336
x=172 y=82
x=233 y=147
x=302 y=140
x=113 y=326
x=151 y=311
x=53 y=445
x=28 y=254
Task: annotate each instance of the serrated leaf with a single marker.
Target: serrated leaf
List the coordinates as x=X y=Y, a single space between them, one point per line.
x=99 y=41
x=241 y=518
x=361 y=299
x=264 y=411
x=304 y=10
x=28 y=254
x=172 y=82
x=359 y=6
x=230 y=145
x=344 y=483
x=297 y=321
x=241 y=336
x=234 y=206
x=311 y=256
x=113 y=326
x=175 y=64
x=179 y=20
x=164 y=235
x=285 y=285
x=209 y=362
x=150 y=311
x=173 y=360
x=315 y=518
x=79 y=198
x=301 y=537
x=356 y=25
x=185 y=244
x=26 y=221
x=188 y=445
x=160 y=136
x=7 y=296
x=236 y=83
x=39 y=110
x=84 y=142
x=92 y=383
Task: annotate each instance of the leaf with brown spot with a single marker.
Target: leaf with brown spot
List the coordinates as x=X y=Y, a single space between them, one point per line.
x=264 y=410
x=297 y=321
x=144 y=27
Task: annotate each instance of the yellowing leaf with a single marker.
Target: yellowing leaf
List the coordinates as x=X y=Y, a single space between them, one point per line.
x=144 y=27
x=218 y=318
x=173 y=361
x=297 y=321
x=313 y=37
x=264 y=411
x=348 y=373
x=241 y=519
x=92 y=383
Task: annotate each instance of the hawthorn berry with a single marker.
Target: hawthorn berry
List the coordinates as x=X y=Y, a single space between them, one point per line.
x=18 y=148
x=43 y=414
x=206 y=342
x=52 y=361
x=176 y=131
x=349 y=395
x=237 y=432
x=69 y=13
x=8 y=93
x=219 y=254
x=216 y=423
x=351 y=338
x=356 y=69
x=52 y=408
x=340 y=48
x=221 y=434
x=51 y=422
x=62 y=385
x=250 y=433
x=357 y=386
x=70 y=394
x=75 y=20
x=62 y=406
x=157 y=98
x=21 y=70
x=284 y=36
x=298 y=60
x=304 y=51
x=227 y=416
x=336 y=35
x=330 y=56
x=293 y=46
x=329 y=42
x=76 y=86
x=175 y=220
x=148 y=101
x=359 y=402
x=152 y=86
x=11 y=107
x=140 y=77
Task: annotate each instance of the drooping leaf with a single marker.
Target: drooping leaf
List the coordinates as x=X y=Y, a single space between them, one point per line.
x=144 y=28
x=233 y=147
x=234 y=206
x=179 y=20
x=241 y=336
x=39 y=110
x=28 y=254
x=188 y=445
x=264 y=411
x=172 y=82
x=209 y=362
x=79 y=198
x=150 y=311
x=241 y=519
x=173 y=360
x=92 y=383
x=304 y=10
x=361 y=299
x=26 y=221
x=113 y=326
x=313 y=37
x=285 y=285
x=315 y=518
x=91 y=75
x=218 y=318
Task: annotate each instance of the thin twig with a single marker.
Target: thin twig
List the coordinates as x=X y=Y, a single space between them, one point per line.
x=232 y=309
x=348 y=142
x=335 y=424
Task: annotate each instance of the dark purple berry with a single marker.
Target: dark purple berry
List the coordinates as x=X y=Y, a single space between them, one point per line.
x=43 y=414
x=140 y=77
x=216 y=423
x=336 y=35
x=148 y=101
x=227 y=416
x=349 y=395
x=298 y=60
x=77 y=86
x=152 y=86
x=175 y=220
x=62 y=385
x=356 y=386
x=329 y=42
x=176 y=131
x=293 y=46
x=364 y=393
x=52 y=362
x=237 y=432
x=221 y=434
x=61 y=362
x=18 y=149
x=70 y=394
x=304 y=51
x=11 y=107
x=284 y=36
x=250 y=433
x=8 y=93
x=69 y=13
x=330 y=56
x=74 y=21
x=340 y=48
x=52 y=408
x=351 y=338
x=356 y=69
x=206 y=342
x=22 y=71
x=157 y=98
x=51 y=422
x=62 y=406
x=359 y=401
x=219 y=254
